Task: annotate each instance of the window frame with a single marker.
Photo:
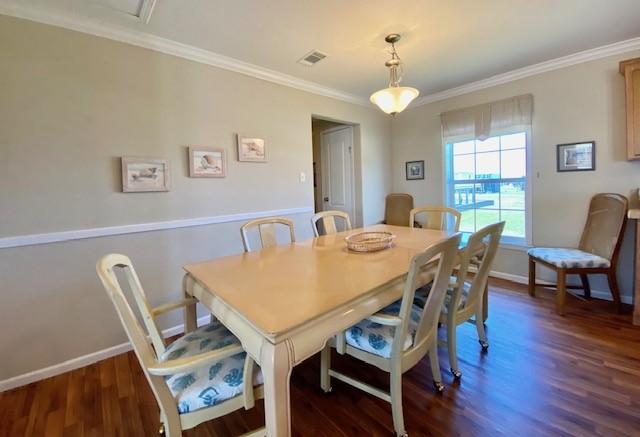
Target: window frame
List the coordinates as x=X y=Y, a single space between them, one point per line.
x=506 y=241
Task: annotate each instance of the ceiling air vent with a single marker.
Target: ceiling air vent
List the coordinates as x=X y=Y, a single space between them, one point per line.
x=312 y=58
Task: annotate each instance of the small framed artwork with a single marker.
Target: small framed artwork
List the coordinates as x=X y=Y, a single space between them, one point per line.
x=144 y=174
x=415 y=170
x=251 y=149
x=206 y=162
x=576 y=156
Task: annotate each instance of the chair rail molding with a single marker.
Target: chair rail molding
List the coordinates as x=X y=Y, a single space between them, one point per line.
x=146 y=40
x=80 y=234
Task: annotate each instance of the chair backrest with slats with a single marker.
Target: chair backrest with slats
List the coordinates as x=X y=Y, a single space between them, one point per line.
x=437 y=217
x=107 y=265
x=328 y=221
x=444 y=253
x=480 y=251
x=146 y=355
x=267 y=230
x=397 y=208
x=602 y=234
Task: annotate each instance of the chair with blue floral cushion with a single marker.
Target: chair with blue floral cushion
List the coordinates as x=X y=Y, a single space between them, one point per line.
x=597 y=252
x=400 y=335
x=267 y=231
x=466 y=295
x=202 y=375
x=327 y=219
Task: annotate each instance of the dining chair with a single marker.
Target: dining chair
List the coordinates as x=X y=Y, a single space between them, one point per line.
x=597 y=252
x=202 y=375
x=267 y=230
x=400 y=335
x=437 y=217
x=397 y=207
x=465 y=298
x=328 y=221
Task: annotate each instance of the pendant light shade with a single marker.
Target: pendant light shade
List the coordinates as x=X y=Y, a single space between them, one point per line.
x=395 y=98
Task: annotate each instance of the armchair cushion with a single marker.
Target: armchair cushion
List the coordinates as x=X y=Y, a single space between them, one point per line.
x=378 y=339
x=211 y=384
x=565 y=258
x=420 y=298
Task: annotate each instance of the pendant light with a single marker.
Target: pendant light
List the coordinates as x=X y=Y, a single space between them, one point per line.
x=395 y=98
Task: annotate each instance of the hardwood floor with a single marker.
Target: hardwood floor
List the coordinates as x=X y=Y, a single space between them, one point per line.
x=543 y=375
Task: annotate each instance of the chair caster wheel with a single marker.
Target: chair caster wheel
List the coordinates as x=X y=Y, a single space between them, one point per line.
x=484 y=344
x=402 y=434
x=456 y=373
x=329 y=390
x=438 y=386
x=161 y=431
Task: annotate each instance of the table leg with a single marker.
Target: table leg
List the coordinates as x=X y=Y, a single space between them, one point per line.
x=276 y=364
x=190 y=316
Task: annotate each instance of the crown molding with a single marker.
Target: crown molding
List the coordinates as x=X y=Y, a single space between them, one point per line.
x=531 y=70
x=152 y=42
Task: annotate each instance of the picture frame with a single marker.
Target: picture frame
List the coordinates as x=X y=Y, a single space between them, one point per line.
x=414 y=170
x=207 y=162
x=251 y=149
x=576 y=156
x=141 y=175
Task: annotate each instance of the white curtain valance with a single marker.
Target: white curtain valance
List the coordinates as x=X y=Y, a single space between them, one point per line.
x=483 y=121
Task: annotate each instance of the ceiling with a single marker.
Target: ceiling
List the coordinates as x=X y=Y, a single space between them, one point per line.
x=444 y=44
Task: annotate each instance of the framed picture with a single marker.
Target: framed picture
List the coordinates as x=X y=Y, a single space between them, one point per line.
x=415 y=170
x=144 y=174
x=576 y=156
x=251 y=149
x=206 y=162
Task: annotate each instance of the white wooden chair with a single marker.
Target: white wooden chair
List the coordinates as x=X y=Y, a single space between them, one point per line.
x=202 y=375
x=328 y=221
x=465 y=297
x=437 y=217
x=398 y=337
x=267 y=230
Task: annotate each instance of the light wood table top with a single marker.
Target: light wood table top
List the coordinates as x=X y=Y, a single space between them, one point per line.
x=279 y=288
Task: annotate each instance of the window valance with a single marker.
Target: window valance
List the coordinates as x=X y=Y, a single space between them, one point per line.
x=490 y=119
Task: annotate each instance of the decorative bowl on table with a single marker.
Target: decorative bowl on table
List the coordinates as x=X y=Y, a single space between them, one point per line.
x=369 y=241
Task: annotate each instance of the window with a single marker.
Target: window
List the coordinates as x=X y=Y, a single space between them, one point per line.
x=487 y=183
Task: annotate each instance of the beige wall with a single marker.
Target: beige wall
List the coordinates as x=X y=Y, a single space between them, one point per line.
x=579 y=103
x=71 y=105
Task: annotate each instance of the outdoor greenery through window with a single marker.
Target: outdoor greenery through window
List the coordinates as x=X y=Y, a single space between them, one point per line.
x=487 y=183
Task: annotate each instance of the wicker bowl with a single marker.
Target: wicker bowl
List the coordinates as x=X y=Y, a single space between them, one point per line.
x=369 y=241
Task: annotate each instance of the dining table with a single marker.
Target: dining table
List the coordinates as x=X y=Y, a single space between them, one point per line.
x=284 y=302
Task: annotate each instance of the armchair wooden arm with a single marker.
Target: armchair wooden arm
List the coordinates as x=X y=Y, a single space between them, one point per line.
x=385 y=319
x=179 y=365
x=165 y=308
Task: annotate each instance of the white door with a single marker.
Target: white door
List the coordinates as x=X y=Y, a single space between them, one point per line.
x=337 y=170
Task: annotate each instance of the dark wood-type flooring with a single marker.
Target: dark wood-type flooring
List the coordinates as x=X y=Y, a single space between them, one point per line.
x=543 y=375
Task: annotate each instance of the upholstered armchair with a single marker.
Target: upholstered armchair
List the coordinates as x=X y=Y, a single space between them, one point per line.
x=397 y=208
x=597 y=252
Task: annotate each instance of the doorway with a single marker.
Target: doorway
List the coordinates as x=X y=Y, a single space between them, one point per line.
x=333 y=167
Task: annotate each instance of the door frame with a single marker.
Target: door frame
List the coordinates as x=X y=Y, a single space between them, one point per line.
x=351 y=167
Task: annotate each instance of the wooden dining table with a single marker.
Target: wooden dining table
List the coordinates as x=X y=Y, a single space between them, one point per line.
x=284 y=302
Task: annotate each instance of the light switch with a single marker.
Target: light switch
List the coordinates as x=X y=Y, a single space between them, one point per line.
x=303 y=177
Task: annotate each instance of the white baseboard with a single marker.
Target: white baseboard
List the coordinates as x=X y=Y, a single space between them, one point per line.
x=85 y=360
x=598 y=294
